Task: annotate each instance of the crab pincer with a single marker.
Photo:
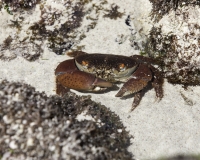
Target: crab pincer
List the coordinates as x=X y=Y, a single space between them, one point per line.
x=69 y=77
x=137 y=81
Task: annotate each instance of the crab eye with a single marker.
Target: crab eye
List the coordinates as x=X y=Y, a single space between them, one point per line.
x=85 y=63
x=122 y=66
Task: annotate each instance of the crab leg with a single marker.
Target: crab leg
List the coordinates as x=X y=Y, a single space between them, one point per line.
x=137 y=98
x=69 y=77
x=157 y=76
x=157 y=82
x=75 y=53
x=136 y=83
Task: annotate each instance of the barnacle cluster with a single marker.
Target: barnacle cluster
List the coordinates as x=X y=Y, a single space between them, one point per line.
x=162 y=8
x=16 y=5
x=9 y=50
x=174 y=40
x=60 y=38
x=39 y=24
x=35 y=126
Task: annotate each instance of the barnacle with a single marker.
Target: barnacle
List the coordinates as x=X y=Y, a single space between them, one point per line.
x=177 y=48
x=49 y=126
x=161 y=8
x=15 y=5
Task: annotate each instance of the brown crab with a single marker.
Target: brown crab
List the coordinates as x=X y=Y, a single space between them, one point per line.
x=97 y=72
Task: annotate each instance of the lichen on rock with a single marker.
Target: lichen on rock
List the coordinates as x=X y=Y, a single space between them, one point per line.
x=113 y=13
x=42 y=24
x=36 y=126
x=164 y=7
x=174 y=40
x=19 y=5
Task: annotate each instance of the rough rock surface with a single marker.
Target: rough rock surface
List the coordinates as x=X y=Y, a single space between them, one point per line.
x=34 y=126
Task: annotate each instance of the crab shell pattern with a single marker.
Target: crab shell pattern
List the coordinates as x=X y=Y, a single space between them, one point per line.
x=97 y=72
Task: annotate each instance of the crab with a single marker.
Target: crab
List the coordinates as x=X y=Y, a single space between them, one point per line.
x=98 y=72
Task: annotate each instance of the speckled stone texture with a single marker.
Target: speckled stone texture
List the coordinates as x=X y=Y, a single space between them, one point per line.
x=35 y=126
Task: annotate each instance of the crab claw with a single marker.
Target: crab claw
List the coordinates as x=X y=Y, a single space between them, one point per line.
x=65 y=66
x=69 y=77
x=136 y=83
x=81 y=81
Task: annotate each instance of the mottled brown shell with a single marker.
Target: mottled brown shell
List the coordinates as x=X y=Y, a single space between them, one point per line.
x=106 y=66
